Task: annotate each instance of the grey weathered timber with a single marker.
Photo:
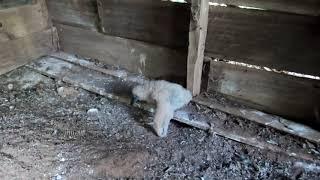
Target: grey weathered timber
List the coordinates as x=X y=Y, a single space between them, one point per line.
x=155 y=21
x=4 y=4
x=82 y=13
x=306 y=7
x=280 y=94
x=136 y=56
x=23 y=20
x=275 y=40
x=15 y=53
x=197 y=40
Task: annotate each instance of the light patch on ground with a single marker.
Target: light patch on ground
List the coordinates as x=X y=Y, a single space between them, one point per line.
x=116 y=165
x=308 y=167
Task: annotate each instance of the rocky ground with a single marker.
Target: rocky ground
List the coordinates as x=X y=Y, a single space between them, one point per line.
x=51 y=130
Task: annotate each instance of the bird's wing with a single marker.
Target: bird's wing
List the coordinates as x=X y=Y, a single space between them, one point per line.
x=164 y=114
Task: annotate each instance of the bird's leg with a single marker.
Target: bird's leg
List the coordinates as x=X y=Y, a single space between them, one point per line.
x=164 y=114
x=134 y=99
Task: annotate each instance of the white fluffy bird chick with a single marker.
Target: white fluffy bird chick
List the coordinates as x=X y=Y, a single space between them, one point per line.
x=168 y=98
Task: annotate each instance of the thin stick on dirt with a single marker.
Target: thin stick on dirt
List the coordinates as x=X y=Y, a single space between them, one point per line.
x=261 y=145
x=264 y=119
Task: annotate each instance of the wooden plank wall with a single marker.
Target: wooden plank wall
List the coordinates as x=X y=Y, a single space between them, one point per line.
x=81 y=33
x=275 y=40
x=137 y=56
x=4 y=4
x=80 y=13
x=149 y=37
x=23 y=20
x=306 y=7
x=18 y=52
x=155 y=21
x=288 y=96
x=25 y=35
x=280 y=38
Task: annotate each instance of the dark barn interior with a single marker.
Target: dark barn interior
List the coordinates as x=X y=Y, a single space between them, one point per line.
x=68 y=69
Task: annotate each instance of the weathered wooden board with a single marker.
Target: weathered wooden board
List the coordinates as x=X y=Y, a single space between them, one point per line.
x=15 y=53
x=139 y=57
x=81 y=13
x=79 y=5
x=23 y=20
x=197 y=41
x=99 y=67
x=4 y=4
x=306 y=7
x=4 y=37
x=155 y=21
x=275 y=40
x=287 y=96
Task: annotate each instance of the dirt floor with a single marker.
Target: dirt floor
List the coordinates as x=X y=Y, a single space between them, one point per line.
x=50 y=130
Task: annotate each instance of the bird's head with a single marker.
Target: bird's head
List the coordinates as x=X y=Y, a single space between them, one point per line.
x=139 y=93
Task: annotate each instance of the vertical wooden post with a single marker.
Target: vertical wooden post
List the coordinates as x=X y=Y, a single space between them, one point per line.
x=197 y=40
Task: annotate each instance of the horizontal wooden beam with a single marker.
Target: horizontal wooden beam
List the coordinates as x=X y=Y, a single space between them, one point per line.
x=15 y=53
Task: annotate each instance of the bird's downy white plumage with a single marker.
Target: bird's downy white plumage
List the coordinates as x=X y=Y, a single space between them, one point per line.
x=168 y=98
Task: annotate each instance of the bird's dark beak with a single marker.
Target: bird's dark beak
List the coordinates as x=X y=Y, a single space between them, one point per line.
x=134 y=99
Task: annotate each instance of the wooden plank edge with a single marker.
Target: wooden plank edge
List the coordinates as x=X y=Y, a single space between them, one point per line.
x=90 y=65
x=280 y=7
x=261 y=144
x=58 y=22
x=273 y=121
